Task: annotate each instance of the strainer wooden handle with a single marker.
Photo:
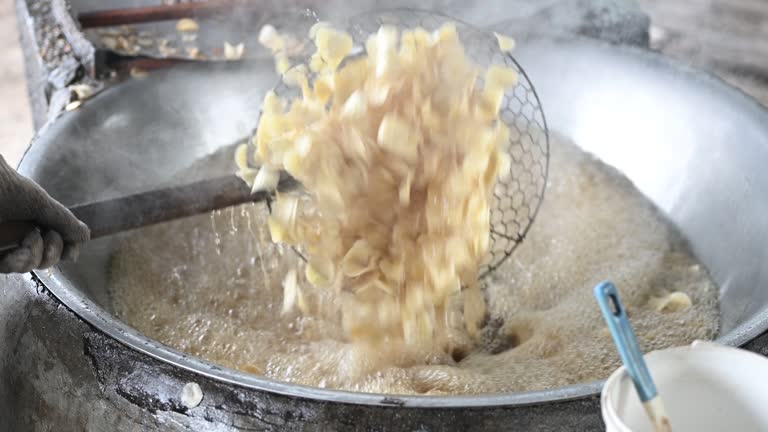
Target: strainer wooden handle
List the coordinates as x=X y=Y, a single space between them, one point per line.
x=148 y=208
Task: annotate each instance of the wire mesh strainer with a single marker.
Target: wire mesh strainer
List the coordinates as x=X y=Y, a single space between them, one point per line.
x=518 y=197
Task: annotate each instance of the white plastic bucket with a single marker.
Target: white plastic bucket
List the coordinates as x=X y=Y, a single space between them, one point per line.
x=705 y=387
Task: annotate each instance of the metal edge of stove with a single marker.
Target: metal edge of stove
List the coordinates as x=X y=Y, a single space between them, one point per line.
x=99 y=318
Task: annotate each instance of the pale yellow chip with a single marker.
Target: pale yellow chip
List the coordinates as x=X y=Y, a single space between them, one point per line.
x=269 y=38
x=248 y=175
x=265 y=180
x=356 y=105
x=358 y=259
x=398 y=137
x=317 y=26
x=187 y=25
x=673 y=302
x=291 y=291
x=446 y=33
x=297 y=77
x=506 y=43
x=320 y=272
x=74 y=105
x=241 y=156
x=501 y=77
x=398 y=152
x=278 y=233
x=316 y=63
x=83 y=91
x=404 y=193
x=332 y=45
x=234 y=52
x=282 y=64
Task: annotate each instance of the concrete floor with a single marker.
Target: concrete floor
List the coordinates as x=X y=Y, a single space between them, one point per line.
x=15 y=116
x=729 y=38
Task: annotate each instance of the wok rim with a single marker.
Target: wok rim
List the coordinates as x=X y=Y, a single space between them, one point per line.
x=95 y=315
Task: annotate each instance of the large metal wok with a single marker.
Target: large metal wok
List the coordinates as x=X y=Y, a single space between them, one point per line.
x=694 y=146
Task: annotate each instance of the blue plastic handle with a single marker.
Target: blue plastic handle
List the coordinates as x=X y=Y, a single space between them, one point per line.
x=625 y=339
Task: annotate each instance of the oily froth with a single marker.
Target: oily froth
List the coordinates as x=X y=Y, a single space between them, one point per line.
x=212 y=287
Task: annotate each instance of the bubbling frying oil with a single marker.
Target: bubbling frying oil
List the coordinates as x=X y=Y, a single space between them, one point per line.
x=211 y=286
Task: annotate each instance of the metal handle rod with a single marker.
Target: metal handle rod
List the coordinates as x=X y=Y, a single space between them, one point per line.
x=148 y=208
x=137 y=15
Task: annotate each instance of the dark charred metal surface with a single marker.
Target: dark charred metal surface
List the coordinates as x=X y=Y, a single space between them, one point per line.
x=758 y=345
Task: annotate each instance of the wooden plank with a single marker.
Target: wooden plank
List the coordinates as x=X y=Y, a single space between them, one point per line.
x=114 y=17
